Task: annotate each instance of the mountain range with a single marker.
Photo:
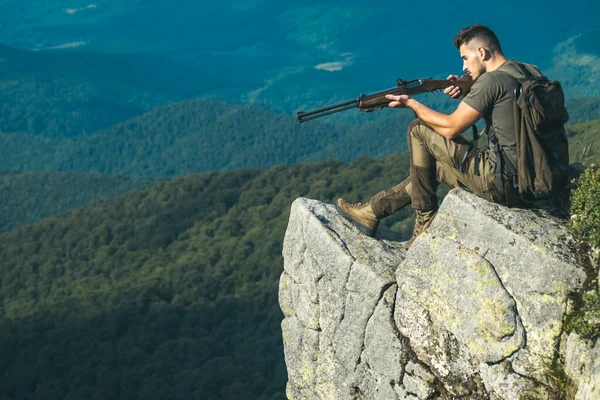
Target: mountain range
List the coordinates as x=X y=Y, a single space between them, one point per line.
x=290 y=57
x=149 y=155
x=209 y=135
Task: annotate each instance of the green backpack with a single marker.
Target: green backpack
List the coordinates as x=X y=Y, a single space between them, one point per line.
x=542 y=146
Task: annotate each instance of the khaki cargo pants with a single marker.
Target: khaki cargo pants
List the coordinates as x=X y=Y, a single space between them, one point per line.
x=434 y=160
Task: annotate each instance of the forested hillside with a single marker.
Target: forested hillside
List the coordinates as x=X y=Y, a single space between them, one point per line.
x=175 y=139
x=28 y=197
x=207 y=135
x=31 y=196
x=583 y=109
x=169 y=292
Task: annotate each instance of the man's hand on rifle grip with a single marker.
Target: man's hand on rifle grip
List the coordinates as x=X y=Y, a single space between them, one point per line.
x=456 y=92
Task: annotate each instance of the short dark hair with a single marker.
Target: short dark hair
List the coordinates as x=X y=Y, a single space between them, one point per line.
x=481 y=32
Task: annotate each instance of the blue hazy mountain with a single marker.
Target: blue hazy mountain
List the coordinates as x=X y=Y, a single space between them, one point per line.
x=303 y=55
x=66 y=94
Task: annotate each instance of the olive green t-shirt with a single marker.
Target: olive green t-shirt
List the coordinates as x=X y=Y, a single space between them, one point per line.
x=492 y=95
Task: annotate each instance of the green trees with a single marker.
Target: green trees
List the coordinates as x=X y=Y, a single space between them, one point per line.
x=168 y=292
x=28 y=197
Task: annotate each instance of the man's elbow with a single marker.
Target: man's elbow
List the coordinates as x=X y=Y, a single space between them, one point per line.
x=450 y=132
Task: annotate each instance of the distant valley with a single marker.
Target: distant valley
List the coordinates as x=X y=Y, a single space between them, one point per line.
x=290 y=57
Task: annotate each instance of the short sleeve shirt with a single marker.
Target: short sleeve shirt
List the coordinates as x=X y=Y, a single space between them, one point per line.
x=492 y=95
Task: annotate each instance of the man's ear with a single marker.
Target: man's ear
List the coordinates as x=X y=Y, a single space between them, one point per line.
x=483 y=53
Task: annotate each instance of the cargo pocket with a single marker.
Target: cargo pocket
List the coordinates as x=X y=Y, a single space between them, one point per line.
x=493 y=189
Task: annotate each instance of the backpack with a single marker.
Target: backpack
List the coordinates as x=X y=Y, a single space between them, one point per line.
x=541 y=140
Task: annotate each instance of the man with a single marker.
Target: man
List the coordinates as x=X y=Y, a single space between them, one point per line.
x=438 y=154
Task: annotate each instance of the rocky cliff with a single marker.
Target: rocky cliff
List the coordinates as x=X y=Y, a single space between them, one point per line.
x=474 y=309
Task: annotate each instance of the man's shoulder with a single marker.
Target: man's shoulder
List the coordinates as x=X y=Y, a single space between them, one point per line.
x=501 y=77
x=517 y=70
x=484 y=92
x=491 y=80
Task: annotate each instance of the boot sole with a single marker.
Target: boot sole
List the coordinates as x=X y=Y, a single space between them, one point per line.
x=362 y=228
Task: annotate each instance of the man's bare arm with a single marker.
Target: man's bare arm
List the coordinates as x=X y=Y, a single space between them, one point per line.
x=449 y=126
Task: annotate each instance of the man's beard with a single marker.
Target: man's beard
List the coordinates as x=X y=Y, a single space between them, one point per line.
x=480 y=70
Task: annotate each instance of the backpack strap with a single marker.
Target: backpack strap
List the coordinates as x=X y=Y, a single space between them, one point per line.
x=511 y=184
x=506 y=162
x=520 y=71
x=473 y=149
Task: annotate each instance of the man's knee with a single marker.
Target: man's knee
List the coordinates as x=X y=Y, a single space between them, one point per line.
x=415 y=126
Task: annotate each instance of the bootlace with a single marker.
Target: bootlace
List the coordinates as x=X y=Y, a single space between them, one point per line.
x=419 y=219
x=359 y=204
x=418 y=224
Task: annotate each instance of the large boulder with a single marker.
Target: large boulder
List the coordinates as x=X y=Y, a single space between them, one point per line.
x=473 y=309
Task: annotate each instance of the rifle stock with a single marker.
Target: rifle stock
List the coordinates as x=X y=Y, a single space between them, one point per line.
x=377 y=100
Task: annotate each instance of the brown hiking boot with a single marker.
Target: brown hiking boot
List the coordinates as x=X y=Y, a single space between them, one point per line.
x=360 y=214
x=422 y=221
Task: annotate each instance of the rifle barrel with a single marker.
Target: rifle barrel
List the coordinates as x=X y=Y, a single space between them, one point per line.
x=328 y=110
x=302 y=118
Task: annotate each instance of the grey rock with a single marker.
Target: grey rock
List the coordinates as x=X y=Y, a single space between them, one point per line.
x=436 y=347
x=502 y=382
x=418 y=381
x=301 y=347
x=582 y=364
x=384 y=351
x=473 y=310
x=461 y=290
x=532 y=253
x=344 y=276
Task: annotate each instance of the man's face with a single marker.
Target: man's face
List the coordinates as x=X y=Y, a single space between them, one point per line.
x=472 y=60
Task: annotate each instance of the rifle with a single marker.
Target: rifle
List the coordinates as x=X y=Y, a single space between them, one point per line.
x=373 y=101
